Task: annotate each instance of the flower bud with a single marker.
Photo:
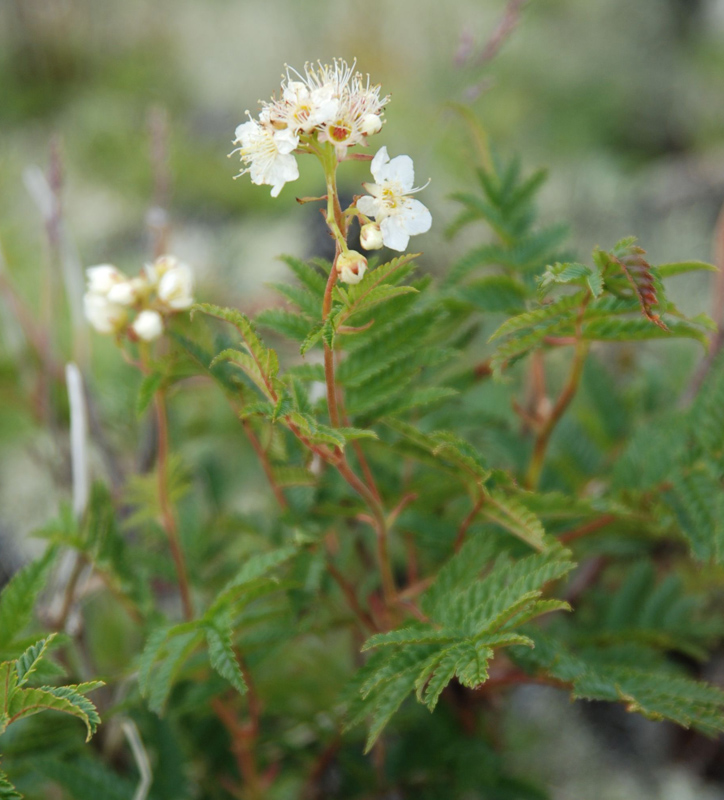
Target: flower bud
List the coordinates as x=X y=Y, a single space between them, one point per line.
x=148 y=325
x=351 y=266
x=370 y=124
x=370 y=236
x=104 y=316
x=176 y=286
x=126 y=293
x=103 y=277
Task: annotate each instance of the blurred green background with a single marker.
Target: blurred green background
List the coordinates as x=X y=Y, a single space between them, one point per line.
x=623 y=101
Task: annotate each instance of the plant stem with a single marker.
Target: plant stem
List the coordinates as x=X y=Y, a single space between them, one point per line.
x=564 y=400
x=328 y=354
x=167 y=518
x=467 y=522
x=589 y=527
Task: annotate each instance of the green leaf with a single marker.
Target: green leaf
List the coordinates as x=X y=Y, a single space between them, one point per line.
x=516 y=518
x=260 y=374
x=371 y=289
x=624 y=330
x=267 y=364
x=27 y=702
x=681 y=267
x=17 y=599
x=566 y=308
x=314 y=280
x=28 y=662
x=148 y=388
x=7 y=790
x=578 y=274
x=293 y=326
x=162 y=678
x=85 y=779
x=312 y=338
x=221 y=652
x=494 y=294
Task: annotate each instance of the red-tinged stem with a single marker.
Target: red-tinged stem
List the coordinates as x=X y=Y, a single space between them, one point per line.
x=564 y=400
x=350 y=596
x=583 y=530
x=167 y=516
x=467 y=522
x=516 y=678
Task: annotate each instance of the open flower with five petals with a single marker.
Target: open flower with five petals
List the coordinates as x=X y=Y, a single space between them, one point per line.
x=389 y=202
x=267 y=153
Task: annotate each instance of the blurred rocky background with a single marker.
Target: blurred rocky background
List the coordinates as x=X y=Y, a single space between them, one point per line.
x=623 y=101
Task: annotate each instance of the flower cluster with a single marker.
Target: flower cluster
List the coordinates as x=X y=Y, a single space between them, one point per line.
x=325 y=112
x=329 y=103
x=115 y=303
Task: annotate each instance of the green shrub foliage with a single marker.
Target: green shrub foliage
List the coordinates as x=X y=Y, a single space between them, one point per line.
x=493 y=502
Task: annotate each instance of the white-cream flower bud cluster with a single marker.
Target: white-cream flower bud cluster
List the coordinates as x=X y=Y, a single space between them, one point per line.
x=329 y=103
x=115 y=303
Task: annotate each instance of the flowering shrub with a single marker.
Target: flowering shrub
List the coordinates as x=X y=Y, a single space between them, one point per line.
x=432 y=532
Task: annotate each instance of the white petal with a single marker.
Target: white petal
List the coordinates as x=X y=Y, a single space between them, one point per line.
x=283 y=170
x=295 y=92
x=400 y=170
x=369 y=206
x=245 y=130
x=378 y=162
x=286 y=141
x=416 y=217
x=394 y=233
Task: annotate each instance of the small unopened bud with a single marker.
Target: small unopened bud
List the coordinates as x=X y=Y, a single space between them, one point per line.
x=148 y=325
x=370 y=124
x=370 y=236
x=351 y=266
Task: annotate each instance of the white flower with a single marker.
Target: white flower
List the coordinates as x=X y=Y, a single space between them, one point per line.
x=267 y=154
x=148 y=325
x=104 y=316
x=302 y=107
x=358 y=115
x=389 y=202
x=351 y=266
x=370 y=236
x=176 y=286
x=127 y=292
x=103 y=277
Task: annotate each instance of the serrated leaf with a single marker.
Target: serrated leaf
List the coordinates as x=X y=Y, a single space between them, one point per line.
x=161 y=679
x=494 y=294
x=307 y=274
x=312 y=338
x=252 y=367
x=623 y=330
x=565 y=308
x=17 y=599
x=221 y=652
x=286 y=323
x=27 y=702
x=267 y=364
x=515 y=517
x=7 y=790
x=28 y=662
